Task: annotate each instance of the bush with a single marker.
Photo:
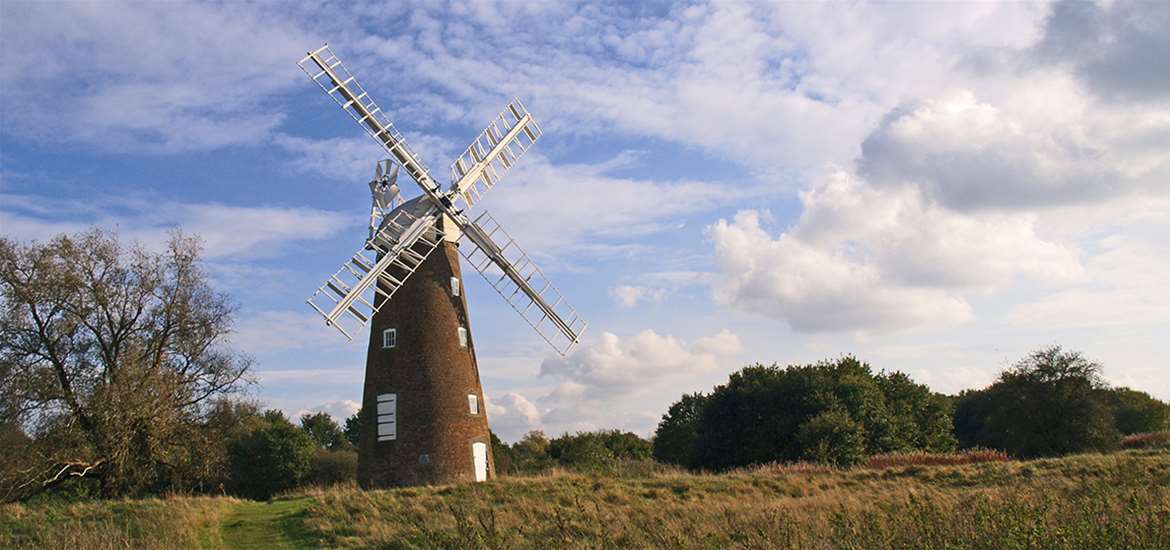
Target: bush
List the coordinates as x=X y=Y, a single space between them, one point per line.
x=1151 y=440
x=333 y=467
x=271 y=456
x=591 y=450
x=832 y=437
x=921 y=458
x=1137 y=412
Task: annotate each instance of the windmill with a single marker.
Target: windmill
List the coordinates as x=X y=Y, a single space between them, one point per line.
x=423 y=419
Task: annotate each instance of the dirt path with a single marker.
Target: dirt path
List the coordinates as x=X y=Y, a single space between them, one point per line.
x=272 y=524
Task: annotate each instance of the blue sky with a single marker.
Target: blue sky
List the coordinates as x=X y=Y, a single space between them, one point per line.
x=936 y=188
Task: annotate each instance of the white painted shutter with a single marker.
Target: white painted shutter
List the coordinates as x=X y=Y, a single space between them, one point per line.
x=387 y=417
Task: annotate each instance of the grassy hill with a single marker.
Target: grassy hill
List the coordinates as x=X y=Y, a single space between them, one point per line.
x=1088 y=501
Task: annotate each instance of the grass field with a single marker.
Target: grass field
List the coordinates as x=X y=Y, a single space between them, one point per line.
x=1089 y=501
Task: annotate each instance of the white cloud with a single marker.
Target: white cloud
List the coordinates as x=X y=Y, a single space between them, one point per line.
x=629 y=296
x=970 y=155
x=339 y=410
x=512 y=415
x=818 y=288
x=227 y=231
x=615 y=366
x=163 y=77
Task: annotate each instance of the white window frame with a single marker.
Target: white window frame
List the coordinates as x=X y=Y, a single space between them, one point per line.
x=473 y=403
x=455 y=286
x=462 y=337
x=393 y=338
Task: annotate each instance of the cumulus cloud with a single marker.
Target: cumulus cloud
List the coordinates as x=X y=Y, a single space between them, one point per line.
x=970 y=155
x=1118 y=49
x=339 y=410
x=629 y=296
x=512 y=415
x=615 y=365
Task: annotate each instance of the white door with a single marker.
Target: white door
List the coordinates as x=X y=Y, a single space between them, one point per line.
x=479 y=458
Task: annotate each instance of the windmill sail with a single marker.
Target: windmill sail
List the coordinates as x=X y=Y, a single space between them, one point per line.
x=509 y=270
x=358 y=289
x=326 y=69
x=493 y=153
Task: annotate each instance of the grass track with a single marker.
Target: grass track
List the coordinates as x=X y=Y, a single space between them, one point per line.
x=273 y=524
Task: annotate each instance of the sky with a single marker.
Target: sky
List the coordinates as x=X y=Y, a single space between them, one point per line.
x=936 y=188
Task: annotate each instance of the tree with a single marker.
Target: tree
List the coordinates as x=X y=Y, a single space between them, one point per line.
x=270 y=456
x=353 y=428
x=674 y=440
x=530 y=454
x=109 y=357
x=588 y=450
x=832 y=437
x=765 y=414
x=501 y=454
x=1137 y=412
x=1050 y=403
x=324 y=431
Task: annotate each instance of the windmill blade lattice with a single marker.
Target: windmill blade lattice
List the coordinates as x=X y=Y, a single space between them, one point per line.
x=493 y=153
x=513 y=274
x=361 y=286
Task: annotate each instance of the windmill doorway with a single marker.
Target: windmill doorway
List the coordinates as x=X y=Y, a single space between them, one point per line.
x=479 y=459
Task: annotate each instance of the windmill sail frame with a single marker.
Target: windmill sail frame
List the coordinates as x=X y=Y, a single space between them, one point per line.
x=361 y=286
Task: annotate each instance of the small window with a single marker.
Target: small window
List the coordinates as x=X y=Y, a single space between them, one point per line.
x=424 y=459
x=389 y=338
x=473 y=403
x=462 y=337
x=454 y=286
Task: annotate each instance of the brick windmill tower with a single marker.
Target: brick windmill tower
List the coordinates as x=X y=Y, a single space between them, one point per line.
x=423 y=414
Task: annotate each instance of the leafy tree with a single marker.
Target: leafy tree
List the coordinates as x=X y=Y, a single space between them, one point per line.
x=922 y=419
x=531 y=453
x=597 y=449
x=272 y=455
x=763 y=414
x=324 y=431
x=353 y=428
x=674 y=440
x=501 y=454
x=1050 y=403
x=832 y=437
x=1137 y=412
x=109 y=358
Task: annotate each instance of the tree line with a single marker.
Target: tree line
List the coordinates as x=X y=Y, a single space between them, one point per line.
x=1052 y=402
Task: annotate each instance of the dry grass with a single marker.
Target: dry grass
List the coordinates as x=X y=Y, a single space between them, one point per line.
x=1090 y=501
x=1087 y=501
x=922 y=458
x=175 y=522
x=1149 y=440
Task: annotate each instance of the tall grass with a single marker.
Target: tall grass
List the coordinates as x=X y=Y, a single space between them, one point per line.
x=1089 y=501
x=175 y=522
x=1081 y=502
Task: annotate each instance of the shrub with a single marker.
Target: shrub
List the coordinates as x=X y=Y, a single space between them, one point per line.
x=333 y=467
x=832 y=437
x=272 y=456
x=922 y=458
x=1150 y=440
